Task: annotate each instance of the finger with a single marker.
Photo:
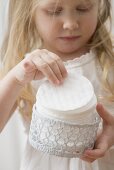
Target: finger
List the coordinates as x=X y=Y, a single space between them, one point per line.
x=60 y=64
x=87 y=159
x=106 y=116
x=38 y=75
x=28 y=65
x=96 y=153
x=42 y=66
x=53 y=66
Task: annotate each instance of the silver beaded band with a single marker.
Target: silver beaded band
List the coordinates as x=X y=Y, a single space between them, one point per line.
x=62 y=138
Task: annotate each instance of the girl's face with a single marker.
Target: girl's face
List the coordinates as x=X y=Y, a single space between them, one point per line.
x=66 y=26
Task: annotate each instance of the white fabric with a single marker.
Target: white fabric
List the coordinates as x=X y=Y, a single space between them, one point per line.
x=36 y=160
x=12 y=143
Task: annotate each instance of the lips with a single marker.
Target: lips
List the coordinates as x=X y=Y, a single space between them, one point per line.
x=69 y=37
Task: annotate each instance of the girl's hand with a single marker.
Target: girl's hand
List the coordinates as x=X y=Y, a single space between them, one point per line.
x=105 y=139
x=39 y=64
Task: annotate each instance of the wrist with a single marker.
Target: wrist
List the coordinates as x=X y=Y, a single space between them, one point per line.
x=18 y=77
x=14 y=79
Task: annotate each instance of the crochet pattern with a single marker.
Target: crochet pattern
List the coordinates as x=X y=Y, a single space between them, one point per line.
x=62 y=138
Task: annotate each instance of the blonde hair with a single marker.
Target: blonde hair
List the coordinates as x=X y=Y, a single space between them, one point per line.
x=21 y=39
x=103 y=44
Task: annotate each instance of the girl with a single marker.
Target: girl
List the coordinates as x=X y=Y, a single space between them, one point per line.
x=55 y=34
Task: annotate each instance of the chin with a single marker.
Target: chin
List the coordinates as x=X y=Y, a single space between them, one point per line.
x=68 y=51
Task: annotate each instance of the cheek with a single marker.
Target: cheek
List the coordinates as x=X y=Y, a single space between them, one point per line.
x=89 y=26
x=44 y=28
x=41 y=28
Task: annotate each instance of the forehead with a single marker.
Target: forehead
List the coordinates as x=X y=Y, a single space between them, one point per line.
x=76 y=2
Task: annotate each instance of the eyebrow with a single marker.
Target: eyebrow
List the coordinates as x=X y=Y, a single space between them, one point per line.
x=88 y=1
x=50 y=3
x=59 y=2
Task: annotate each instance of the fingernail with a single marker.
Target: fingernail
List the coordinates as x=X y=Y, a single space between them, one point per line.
x=58 y=82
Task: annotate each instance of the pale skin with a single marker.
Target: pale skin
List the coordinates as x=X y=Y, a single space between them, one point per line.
x=69 y=27
x=105 y=139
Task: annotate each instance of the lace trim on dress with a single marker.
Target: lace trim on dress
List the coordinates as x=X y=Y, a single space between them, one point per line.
x=82 y=60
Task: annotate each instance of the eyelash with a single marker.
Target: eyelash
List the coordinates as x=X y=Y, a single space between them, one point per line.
x=58 y=12
x=83 y=9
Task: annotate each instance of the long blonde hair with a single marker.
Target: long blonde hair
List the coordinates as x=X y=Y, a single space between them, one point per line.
x=21 y=39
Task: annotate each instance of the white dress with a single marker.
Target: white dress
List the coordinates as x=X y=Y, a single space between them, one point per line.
x=33 y=159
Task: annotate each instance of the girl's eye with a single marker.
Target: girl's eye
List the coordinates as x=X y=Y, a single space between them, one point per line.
x=82 y=9
x=54 y=12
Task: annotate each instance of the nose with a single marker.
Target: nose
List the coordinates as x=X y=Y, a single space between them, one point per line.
x=70 y=23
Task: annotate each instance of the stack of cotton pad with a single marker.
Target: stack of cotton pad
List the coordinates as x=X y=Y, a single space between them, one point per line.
x=64 y=120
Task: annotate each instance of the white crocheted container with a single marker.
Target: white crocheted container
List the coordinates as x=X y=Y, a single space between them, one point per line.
x=64 y=120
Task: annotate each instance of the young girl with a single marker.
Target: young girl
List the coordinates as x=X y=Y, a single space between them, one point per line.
x=43 y=38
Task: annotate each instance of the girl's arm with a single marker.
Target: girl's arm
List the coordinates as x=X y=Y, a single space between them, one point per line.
x=105 y=139
x=36 y=65
x=9 y=91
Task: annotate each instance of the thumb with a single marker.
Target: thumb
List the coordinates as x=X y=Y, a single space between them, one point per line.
x=99 y=151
